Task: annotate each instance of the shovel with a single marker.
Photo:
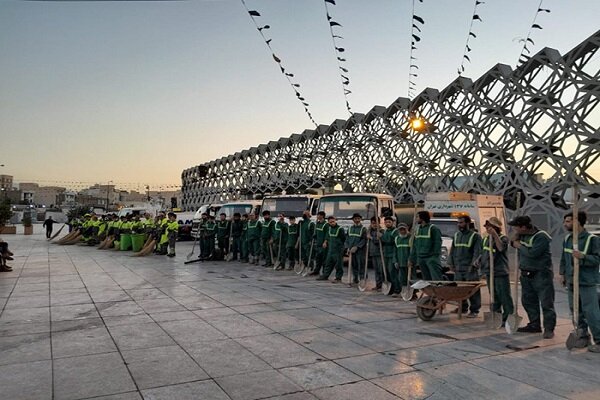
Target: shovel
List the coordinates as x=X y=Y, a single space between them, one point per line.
x=230 y=242
x=514 y=320
x=277 y=263
x=362 y=283
x=386 y=286
x=299 y=268
x=492 y=319
x=307 y=268
x=407 y=291
x=577 y=338
x=189 y=256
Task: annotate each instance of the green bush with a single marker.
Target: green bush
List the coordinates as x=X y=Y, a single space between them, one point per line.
x=5 y=211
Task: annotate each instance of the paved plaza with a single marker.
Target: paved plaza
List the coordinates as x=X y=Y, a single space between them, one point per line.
x=80 y=323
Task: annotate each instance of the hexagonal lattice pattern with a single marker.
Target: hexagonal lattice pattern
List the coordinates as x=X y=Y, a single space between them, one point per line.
x=497 y=134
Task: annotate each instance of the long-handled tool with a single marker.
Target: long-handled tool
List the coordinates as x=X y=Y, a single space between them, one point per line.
x=278 y=262
x=577 y=337
x=407 y=292
x=386 y=286
x=190 y=254
x=57 y=233
x=362 y=283
x=299 y=267
x=492 y=318
x=308 y=269
x=514 y=320
x=271 y=253
x=230 y=242
x=350 y=268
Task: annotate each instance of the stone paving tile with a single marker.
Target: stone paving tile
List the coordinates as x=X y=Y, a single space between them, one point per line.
x=24 y=348
x=79 y=342
x=161 y=366
x=420 y=386
x=236 y=326
x=204 y=390
x=139 y=336
x=74 y=311
x=23 y=328
x=215 y=313
x=374 y=365
x=146 y=294
x=354 y=391
x=318 y=375
x=65 y=299
x=119 y=308
x=173 y=316
x=190 y=331
x=280 y=321
x=225 y=357
x=88 y=376
x=279 y=351
x=28 y=302
x=26 y=315
x=121 y=396
x=327 y=344
x=295 y=396
x=257 y=385
x=32 y=381
x=160 y=305
x=127 y=320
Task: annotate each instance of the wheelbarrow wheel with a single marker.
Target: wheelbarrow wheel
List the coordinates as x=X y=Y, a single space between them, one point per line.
x=425 y=313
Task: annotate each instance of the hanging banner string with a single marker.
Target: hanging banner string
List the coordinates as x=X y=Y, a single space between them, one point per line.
x=416 y=25
x=524 y=56
x=344 y=73
x=471 y=34
x=295 y=86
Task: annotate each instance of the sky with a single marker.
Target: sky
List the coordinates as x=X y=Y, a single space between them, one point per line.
x=135 y=92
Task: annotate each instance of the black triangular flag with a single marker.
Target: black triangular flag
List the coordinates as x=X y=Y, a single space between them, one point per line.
x=417 y=18
x=333 y=23
x=277 y=60
x=254 y=13
x=418 y=39
x=536 y=26
x=477 y=17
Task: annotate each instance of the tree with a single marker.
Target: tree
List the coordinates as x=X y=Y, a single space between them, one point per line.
x=5 y=212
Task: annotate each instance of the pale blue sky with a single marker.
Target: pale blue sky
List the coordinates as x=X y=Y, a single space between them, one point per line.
x=138 y=91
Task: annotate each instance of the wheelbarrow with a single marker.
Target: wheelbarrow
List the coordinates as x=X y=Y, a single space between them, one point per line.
x=434 y=295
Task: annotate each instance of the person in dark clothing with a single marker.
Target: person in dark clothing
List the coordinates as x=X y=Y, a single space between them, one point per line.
x=236 y=232
x=48 y=223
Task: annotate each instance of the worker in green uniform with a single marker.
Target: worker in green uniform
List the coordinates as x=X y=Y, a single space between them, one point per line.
x=172 y=231
x=427 y=248
x=244 y=239
x=334 y=243
x=266 y=238
x=374 y=235
x=319 y=236
x=237 y=228
x=204 y=247
x=223 y=233
x=356 y=240
x=254 y=232
x=589 y=277
x=402 y=243
x=120 y=228
x=307 y=233
x=497 y=243
x=210 y=229
x=535 y=261
x=388 y=241
x=292 y=242
x=280 y=240
x=464 y=260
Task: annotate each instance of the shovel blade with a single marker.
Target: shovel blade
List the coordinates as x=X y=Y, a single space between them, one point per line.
x=493 y=320
x=386 y=288
x=512 y=323
x=362 y=285
x=299 y=268
x=407 y=293
x=577 y=339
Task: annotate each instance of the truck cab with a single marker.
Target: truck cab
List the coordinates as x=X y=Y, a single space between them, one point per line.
x=343 y=205
x=291 y=204
x=210 y=209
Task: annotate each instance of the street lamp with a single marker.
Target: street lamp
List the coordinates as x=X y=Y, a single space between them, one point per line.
x=107 y=185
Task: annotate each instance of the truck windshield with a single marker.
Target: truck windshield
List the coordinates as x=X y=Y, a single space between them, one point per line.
x=343 y=207
x=289 y=206
x=230 y=209
x=447 y=226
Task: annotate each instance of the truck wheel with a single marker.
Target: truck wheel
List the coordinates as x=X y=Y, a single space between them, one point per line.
x=426 y=314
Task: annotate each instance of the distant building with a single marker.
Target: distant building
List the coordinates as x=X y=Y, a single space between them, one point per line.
x=6 y=182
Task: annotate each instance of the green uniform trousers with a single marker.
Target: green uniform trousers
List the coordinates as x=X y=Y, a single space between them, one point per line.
x=266 y=251
x=335 y=259
x=392 y=273
x=589 y=310
x=431 y=268
x=358 y=265
x=538 y=290
x=474 y=302
x=503 y=301
x=254 y=247
x=319 y=256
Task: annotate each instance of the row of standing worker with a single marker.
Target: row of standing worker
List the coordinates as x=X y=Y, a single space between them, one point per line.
x=321 y=245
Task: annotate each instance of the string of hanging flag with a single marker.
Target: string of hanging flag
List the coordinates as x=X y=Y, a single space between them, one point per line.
x=470 y=36
x=288 y=75
x=417 y=23
x=341 y=59
x=524 y=56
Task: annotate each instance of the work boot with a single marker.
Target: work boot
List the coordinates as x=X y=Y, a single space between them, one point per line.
x=530 y=329
x=314 y=273
x=548 y=334
x=290 y=268
x=9 y=258
x=594 y=348
x=472 y=315
x=171 y=255
x=322 y=278
x=5 y=268
x=337 y=280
